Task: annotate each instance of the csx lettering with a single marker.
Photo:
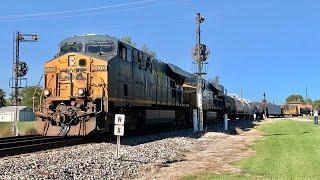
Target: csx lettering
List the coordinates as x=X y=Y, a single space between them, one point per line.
x=99 y=68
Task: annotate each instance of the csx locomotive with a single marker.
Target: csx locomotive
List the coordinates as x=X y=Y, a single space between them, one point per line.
x=93 y=77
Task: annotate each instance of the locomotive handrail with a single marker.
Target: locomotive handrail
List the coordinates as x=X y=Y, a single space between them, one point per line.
x=33 y=98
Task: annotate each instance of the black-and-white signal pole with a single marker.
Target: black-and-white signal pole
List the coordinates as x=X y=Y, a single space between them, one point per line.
x=20 y=69
x=200 y=54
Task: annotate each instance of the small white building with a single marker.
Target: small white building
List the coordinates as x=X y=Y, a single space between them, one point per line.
x=7 y=113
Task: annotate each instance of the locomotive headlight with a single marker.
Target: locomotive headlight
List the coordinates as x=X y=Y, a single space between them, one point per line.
x=46 y=92
x=81 y=92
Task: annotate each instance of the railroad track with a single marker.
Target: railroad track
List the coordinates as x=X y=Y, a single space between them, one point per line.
x=26 y=144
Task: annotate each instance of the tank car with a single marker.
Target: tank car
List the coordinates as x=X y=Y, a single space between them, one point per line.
x=258 y=109
x=237 y=107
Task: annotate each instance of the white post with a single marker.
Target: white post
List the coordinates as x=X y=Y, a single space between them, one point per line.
x=195 y=120
x=226 y=122
x=118 y=147
x=254 y=116
x=119 y=130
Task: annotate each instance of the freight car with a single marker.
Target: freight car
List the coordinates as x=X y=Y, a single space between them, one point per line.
x=241 y=108
x=296 y=109
x=93 y=77
x=274 y=110
x=213 y=98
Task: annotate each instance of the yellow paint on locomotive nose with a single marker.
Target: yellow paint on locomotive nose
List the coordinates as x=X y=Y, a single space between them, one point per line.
x=66 y=74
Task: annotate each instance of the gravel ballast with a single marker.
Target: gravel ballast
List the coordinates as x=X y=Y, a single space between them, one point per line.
x=139 y=154
x=97 y=160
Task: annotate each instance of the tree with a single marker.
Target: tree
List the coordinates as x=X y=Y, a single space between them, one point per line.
x=294 y=98
x=127 y=40
x=316 y=104
x=28 y=93
x=309 y=101
x=145 y=49
x=2 y=98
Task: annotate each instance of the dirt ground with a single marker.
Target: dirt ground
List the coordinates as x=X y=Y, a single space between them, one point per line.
x=216 y=152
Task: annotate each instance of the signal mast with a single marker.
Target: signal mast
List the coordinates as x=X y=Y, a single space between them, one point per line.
x=19 y=69
x=200 y=54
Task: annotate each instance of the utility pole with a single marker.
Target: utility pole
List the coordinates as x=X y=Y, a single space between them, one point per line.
x=264 y=101
x=20 y=70
x=307 y=95
x=200 y=54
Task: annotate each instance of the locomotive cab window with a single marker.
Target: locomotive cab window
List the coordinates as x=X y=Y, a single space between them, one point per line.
x=67 y=47
x=101 y=48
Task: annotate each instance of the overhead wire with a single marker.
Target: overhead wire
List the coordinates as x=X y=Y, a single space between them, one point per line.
x=106 y=12
x=76 y=10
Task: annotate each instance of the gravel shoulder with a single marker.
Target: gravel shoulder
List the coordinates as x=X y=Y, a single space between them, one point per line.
x=215 y=152
x=168 y=155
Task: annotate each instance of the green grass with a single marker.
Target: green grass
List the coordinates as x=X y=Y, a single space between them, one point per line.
x=289 y=150
x=26 y=127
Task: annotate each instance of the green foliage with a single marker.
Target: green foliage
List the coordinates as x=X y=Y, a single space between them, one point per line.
x=294 y=98
x=309 y=101
x=145 y=49
x=316 y=104
x=127 y=40
x=28 y=93
x=2 y=98
x=8 y=102
x=289 y=150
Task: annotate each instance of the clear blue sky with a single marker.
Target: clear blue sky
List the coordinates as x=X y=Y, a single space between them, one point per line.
x=257 y=45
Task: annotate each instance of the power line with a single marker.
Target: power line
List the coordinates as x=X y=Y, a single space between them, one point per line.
x=97 y=13
x=76 y=10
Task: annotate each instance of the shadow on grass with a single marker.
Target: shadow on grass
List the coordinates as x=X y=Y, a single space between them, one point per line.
x=282 y=134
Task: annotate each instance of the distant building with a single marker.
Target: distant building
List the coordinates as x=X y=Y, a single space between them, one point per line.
x=7 y=113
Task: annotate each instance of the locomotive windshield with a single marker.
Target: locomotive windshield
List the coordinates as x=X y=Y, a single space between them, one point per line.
x=75 y=47
x=107 y=47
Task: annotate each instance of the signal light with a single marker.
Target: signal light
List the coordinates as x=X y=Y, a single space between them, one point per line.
x=35 y=37
x=22 y=69
x=46 y=92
